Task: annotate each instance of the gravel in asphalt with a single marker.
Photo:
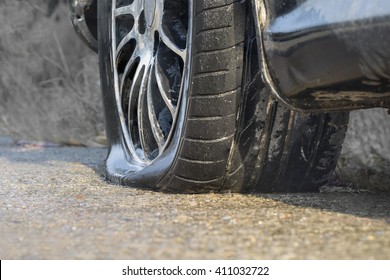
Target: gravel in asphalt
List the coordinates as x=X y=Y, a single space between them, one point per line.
x=54 y=205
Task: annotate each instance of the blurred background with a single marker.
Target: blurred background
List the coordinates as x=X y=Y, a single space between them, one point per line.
x=49 y=81
x=49 y=91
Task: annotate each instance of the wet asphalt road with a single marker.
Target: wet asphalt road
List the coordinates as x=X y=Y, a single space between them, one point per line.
x=54 y=205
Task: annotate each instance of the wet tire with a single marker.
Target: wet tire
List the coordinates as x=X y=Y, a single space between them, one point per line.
x=193 y=115
x=276 y=149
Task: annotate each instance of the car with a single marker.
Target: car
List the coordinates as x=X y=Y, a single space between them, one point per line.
x=231 y=95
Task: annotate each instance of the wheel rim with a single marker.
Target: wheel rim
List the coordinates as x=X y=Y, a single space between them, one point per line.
x=149 y=43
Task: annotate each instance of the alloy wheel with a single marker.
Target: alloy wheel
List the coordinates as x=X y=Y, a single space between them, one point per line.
x=149 y=45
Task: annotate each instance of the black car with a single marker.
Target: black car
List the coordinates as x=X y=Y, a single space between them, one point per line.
x=233 y=95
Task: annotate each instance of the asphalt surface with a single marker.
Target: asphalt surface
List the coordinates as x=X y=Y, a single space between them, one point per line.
x=54 y=205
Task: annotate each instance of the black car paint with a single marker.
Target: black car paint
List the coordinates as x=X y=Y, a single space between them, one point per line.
x=326 y=55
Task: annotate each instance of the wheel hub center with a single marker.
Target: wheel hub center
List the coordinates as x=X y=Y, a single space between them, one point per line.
x=150 y=10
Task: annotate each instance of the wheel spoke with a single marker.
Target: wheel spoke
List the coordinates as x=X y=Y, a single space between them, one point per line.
x=163 y=86
x=157 y=132
x=128 y=68
x=126 y=10
x=134 y=90
x=133 y=106
x=170 y=44
x=140 y=111
x=125 y=40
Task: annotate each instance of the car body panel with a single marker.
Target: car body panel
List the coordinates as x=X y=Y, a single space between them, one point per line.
x=326 y=55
